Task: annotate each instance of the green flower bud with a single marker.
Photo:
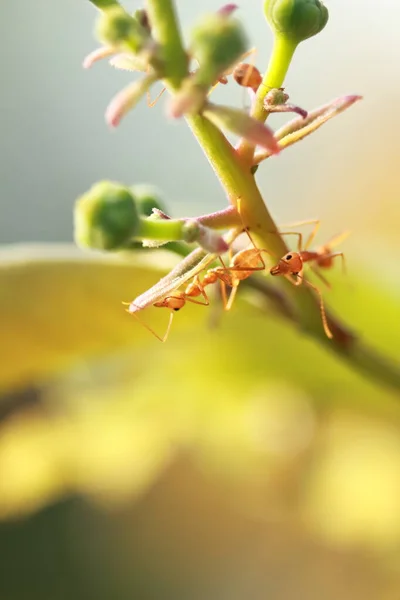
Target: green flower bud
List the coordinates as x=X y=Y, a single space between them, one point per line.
x=103 y=4
x=116 y=27
x=217 y=42
x=296 y=20
x=106 y=217
x=146 y=197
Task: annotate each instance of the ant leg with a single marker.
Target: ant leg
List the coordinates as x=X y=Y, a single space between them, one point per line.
x=316 y=272
x=337 y=239
x=232 y=297
x=299 y=280
x=328 y=332
x=315 y=222
x=223 y=293
x=227 y=302
x=150 y=102
x=334 y=255
x=299 y=238
x=166 y=334
x=203 y=293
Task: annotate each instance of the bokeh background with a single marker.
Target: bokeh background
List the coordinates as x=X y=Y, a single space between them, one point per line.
x=238 y=461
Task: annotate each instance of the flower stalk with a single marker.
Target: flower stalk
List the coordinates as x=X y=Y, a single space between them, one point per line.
x=292 y=21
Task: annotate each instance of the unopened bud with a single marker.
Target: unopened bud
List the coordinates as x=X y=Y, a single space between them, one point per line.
x=296 y=20
x=103 y=4
x=106 y=217
x=276 y=101
x=218 y=41
x=117 y=28
x=147 y=198
x=276 y=96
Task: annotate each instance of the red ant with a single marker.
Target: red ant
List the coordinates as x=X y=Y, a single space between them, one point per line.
x=291 y=265
x=242 y=265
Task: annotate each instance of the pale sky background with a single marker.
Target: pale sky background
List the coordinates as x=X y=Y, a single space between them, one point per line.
x=54 y=143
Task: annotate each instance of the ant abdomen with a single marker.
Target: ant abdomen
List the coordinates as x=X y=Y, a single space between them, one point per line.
x=247 y=75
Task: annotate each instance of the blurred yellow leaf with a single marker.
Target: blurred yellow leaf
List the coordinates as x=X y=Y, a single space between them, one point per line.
x=116 y=405
x=57 y=304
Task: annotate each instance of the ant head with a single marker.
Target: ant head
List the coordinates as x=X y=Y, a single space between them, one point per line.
x=291 y=263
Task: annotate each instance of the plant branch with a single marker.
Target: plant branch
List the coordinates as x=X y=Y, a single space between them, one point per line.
x=165 y=31
x=221 y=219
x=232 y=169
x=282 y=54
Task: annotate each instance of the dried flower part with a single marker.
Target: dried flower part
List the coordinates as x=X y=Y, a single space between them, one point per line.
x=208 y=239
x=126 y=99
x=211 y=241
x=296 y=20
x=98 y=54
x=106 y=217
x=276 y=102
x=243 y=125
x=190 y=99
x=275 y=96
x=227 y=9
x=298 y=129
x=129 y=62
x=318 y=116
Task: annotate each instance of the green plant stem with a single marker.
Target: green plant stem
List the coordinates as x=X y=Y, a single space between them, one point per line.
x=160 y=229
x=232 y=169
x=282 y=54
x=165 y=31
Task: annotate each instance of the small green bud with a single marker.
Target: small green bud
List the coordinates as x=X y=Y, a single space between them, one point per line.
x=217 y=42
x=296 y=20
x=106 y=217
x=146 y=197
x=103 y=4
x=115 y=27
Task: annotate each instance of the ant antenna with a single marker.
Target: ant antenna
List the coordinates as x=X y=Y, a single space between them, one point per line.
x=161 y=339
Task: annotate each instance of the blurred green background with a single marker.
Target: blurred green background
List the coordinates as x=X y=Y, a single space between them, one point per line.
x=237 y=461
